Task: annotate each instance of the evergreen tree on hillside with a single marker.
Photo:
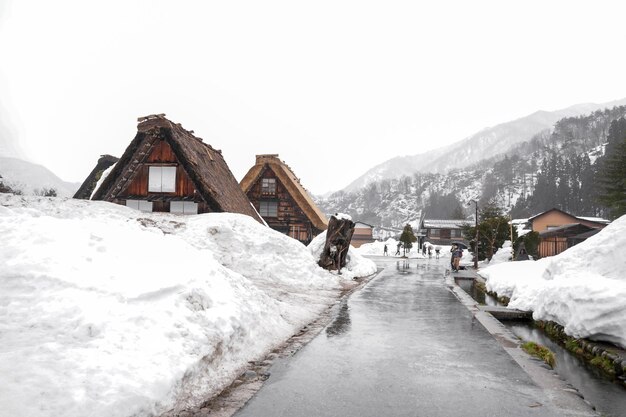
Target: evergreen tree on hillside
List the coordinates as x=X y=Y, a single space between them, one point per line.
x=612 y=173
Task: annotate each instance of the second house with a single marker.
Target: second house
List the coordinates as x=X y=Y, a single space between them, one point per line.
x=282 y=201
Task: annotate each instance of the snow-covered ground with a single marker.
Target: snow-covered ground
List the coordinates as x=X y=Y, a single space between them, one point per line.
x=583 y=288
x=108 y=311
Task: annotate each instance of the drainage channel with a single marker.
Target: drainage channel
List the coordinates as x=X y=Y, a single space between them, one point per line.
x=608 y=397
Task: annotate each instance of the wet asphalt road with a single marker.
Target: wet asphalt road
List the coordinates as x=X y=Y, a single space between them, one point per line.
x=401 y=346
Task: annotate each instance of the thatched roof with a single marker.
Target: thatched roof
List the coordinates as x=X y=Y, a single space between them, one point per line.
x=205 y=166
x=291 y=182
x=87 y=187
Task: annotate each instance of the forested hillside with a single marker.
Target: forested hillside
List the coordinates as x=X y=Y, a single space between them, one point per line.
x=556 y=168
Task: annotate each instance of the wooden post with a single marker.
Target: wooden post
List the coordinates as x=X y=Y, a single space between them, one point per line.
x=338 y=237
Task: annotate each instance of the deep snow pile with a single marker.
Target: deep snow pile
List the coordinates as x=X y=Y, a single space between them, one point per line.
x=503 y=254
x=378 y=247
x=583 y=288
x=107 y=311
x=356 y=265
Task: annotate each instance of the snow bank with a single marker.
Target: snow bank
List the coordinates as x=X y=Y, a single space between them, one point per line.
x=107 y=311
x=378 y=248
x=356 y=265
x=503 y=254
x=583 y=288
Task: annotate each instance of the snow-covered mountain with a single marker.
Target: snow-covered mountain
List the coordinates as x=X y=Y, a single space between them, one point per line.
x=29 y=178
x=485 y=144
x=553 y=169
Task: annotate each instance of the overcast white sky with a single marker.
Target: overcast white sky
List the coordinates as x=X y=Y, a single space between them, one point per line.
x=334 y=87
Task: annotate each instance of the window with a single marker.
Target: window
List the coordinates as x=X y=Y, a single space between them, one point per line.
x=298 y=233
x=140 y=205
x=268 y=186
x=162 y=180
x=434 y=232
x=183 y=207
x=268 y=208
x=455 y=233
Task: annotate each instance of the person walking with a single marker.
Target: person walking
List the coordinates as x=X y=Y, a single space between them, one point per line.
x=452 y=256
x=385 y=251
x=430 y=252
x=457 y=258
x=437 y=250
x=399 y=247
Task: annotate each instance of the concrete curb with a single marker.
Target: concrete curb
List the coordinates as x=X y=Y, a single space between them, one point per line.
x=564 y=397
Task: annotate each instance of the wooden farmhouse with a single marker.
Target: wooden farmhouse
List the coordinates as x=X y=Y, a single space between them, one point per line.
x=363 y=233
x=443 y=232
x=559 y=230
x=282 y=201
x=168 y=169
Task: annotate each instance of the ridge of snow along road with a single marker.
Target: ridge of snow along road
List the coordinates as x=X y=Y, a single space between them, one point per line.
x=583 y=288
x=108 y=311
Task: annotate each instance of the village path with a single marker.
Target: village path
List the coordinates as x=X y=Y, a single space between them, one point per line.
x=402 y=346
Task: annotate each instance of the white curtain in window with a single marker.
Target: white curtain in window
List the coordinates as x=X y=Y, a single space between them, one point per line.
x=162 y=179
x=168 y=179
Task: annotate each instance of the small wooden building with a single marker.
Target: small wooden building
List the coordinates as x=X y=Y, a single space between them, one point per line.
x=443 y=232
x=86 y=189
x=168 y=169
x=363 y=233
x=282 y=201
x=559 y=230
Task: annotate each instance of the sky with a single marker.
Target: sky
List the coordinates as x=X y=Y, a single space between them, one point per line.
x=333 y=87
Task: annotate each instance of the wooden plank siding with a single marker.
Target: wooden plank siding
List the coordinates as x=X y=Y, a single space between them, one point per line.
x=290 y=219
x=161 y=154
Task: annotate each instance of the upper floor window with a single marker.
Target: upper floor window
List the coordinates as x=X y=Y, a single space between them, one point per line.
x=162 y=180
x=268 y=186
x=435 y=232
x=268 y=208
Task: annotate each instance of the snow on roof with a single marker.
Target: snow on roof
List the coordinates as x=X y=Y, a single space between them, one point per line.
x=445 y=224
x=594 y=219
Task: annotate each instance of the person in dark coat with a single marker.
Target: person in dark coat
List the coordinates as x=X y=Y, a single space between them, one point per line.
x=385 y=251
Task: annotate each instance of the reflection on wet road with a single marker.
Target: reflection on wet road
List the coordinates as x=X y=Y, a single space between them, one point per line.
x=401 y=346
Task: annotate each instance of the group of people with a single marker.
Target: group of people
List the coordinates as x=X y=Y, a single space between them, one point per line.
x=425 y=248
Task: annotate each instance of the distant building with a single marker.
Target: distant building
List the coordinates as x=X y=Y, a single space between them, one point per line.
x=282 y=201
x=165 y=168
x=443 y=232
x=559 y=230
x=363 y=233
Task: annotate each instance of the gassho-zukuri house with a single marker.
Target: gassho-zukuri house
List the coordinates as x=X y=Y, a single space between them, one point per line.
x=282 y=201
x=168 y=169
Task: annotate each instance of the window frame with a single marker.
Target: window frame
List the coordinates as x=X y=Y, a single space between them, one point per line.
x=187 y=207
x=270 y=187
x=267 y=211
x=152 y=179
x=141 y=205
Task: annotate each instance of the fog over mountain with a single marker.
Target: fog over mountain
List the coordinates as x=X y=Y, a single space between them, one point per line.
x=485 y=144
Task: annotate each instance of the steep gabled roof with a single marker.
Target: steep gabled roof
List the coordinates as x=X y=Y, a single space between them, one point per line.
x=292 y=184
x=87 y=187
x=205 y=166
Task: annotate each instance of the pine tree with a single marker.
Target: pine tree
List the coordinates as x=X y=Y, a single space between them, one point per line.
x=407 y=237
x=612 y=174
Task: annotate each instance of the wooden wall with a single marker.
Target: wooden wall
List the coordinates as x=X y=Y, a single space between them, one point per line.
x=162 y=155
x=290 y=219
